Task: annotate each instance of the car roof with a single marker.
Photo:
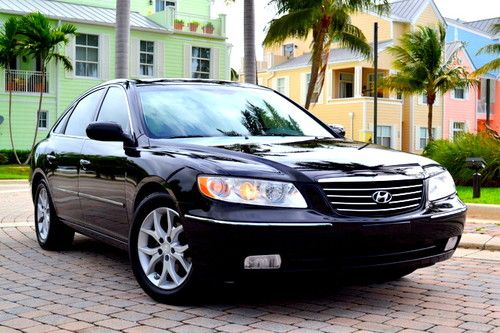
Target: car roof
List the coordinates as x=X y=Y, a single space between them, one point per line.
x=160 y=81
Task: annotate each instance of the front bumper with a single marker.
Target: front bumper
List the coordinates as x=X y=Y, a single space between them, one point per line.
x=321 y=243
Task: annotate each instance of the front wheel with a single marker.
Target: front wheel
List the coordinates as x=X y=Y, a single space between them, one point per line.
x=159 y=251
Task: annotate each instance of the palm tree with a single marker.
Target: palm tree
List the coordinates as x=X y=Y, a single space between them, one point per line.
x=330 y=22
x=493 y=65
x=249 y=66
x=422 y=69
x=122 y=38
x=9 y=51
x=41 y=40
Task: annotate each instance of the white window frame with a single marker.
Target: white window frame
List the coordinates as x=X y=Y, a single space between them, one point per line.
x=455 y=130
x=391 y=139
x=345 y=81
x=306 y=78
x=419 y=143
x=290 y=54
x=199 y=58
x=164 y=1
x=284 y=89
x=141 y=64
x=39 y=114
x=87 y=61
x=458 y=98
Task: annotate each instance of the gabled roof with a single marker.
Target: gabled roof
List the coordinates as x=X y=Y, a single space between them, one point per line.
x=75 y=13
x=406 y=9
x=484 y=27
x=452 y=47
x=337 y=55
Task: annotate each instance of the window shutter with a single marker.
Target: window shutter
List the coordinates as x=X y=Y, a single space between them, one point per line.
x=104 y=57
x=214 y=63
x=417 y=138
x=187 y=61
x=70 y=53
x=450 y=131
x=134 y=57
x=159 y=59
x=438 y=133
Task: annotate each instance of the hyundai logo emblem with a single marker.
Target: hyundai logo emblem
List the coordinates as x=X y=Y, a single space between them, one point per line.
x=382 y=197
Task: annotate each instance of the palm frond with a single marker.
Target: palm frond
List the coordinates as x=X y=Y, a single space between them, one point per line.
x=492 y=66
x=490 y=49
x=61 y=58
x=292 y=25
x=354 y=39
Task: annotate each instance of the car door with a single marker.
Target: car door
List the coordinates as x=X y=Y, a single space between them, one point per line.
x=102 y=179
x=64 y=157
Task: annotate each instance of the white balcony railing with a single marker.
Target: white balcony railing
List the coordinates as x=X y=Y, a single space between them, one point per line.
x=26 y=81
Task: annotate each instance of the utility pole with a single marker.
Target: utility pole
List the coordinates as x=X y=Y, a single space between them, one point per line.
x=375 y=80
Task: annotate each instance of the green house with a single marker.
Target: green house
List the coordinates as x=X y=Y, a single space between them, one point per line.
x=176 y=38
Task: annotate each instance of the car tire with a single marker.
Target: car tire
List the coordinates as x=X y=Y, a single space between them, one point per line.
x=51 y=233
x=159 y=251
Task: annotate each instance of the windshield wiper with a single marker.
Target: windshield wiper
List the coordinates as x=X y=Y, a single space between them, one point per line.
x=365 y=145
x=185 y=136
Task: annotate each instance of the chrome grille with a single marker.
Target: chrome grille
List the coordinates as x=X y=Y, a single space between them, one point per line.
x=356 y=197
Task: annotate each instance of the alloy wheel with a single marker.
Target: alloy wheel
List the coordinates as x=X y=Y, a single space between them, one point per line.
x=43 y=214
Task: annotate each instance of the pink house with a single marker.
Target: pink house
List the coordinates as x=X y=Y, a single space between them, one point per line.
x=460 y=105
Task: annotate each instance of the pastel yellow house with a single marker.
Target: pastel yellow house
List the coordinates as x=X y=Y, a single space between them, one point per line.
x=347 y=95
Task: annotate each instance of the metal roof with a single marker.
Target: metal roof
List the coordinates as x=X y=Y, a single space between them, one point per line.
x=336 y=55
x=485 y=26
x=451 y=48
x=75 y=13
x=406 y=9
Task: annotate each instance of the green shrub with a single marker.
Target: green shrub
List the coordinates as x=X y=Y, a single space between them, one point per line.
x=9 y=158
x=452 y=156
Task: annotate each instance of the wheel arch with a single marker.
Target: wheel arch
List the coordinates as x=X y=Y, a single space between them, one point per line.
x=37 y=177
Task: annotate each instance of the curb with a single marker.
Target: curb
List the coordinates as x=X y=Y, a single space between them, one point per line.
x=483 y=211
x=479 y=241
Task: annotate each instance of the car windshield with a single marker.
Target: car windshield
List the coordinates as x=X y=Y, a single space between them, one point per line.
x=207 y=110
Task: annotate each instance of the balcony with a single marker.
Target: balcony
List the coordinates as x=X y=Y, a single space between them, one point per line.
x=26 y=81
x=186 y=23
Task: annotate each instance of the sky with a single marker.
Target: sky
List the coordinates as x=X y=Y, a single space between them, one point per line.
x=467 y=10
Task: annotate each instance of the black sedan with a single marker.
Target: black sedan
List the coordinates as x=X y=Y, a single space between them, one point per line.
x=206 y=178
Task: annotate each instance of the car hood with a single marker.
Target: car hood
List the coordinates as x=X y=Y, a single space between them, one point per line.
x=314 y=157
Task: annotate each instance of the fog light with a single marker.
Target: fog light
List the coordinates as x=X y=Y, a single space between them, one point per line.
x=270 y=261
x=450 y=245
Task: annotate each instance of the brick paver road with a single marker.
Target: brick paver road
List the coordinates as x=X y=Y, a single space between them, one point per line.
x=90 y=288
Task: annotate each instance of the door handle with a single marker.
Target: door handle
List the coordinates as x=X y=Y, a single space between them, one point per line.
x=50 y=158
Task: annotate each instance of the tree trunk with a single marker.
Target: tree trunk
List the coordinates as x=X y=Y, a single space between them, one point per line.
x=431 y=99
x=249 y=66
x=10 y=117
x=37 y=111
x=316 y=62
x=122 y=39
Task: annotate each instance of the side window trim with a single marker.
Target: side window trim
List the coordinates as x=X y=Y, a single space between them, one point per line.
x=127 y=101
x=78 y=102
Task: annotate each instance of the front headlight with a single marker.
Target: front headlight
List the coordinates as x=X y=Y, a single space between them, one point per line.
x=440 y=184
x=251 y=191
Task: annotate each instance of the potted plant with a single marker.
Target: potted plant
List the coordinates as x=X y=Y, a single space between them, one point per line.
x=178 y=24
x=208 y=28
x=193 y=26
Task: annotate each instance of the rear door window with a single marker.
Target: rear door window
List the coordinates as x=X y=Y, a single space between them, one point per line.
x=83 y=114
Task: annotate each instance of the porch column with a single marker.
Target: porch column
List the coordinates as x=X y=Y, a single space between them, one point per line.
x=358 y=81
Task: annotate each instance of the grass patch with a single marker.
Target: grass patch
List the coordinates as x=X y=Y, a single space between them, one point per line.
x=489 y=195
x=13 y=171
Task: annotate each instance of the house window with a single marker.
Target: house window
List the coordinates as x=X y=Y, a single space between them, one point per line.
x=424 y=137
x=384 y=136
x=346 y=85
x=424 y=99
x=371 y=85
x=43 y=119
x=146 y=58
x=288 y=50
x=87 y=55
x=399 y=95
x=305 y=88
x=457 y=129
x=281 y=85
x=200 y=63
x=160 y=5
x=459 y=93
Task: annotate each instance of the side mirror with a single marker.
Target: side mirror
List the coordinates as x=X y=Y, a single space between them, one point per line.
x=108 y=131
x=338 y=130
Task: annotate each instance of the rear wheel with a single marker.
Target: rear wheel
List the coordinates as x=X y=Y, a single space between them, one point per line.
x=159 y=251
x=51 y=233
